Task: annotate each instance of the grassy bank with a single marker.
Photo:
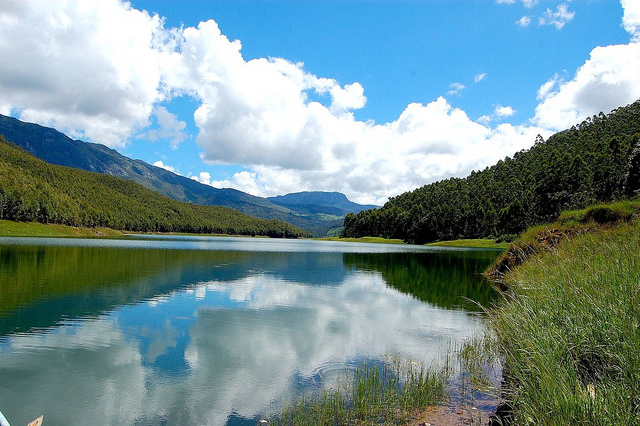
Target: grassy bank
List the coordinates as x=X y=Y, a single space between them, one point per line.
x=363 y=240
x=10 y=228
x=471 y=243
x=474 y=243
x=569 y=330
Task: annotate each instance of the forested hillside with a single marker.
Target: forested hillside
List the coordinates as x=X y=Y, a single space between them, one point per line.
x=595 y=161
x=57 y=148
x=32 y=190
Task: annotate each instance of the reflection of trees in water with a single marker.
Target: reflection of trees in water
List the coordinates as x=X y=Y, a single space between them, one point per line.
x=40 y=285
x=43 y=284
x=444 y=279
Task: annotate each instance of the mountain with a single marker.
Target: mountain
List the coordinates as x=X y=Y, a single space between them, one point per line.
x=33 y=190
x=56 y=148
x=318 y=202
x=595 y=161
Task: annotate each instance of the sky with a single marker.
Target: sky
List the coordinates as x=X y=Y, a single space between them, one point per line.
x=370 y=98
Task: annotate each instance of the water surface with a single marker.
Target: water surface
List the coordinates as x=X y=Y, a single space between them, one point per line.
x=202 y=330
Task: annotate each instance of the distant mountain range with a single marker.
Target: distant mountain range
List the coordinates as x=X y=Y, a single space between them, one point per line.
x=316 y=212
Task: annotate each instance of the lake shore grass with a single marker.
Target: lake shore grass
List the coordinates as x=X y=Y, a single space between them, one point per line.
x=375 y=393
x=10 y=228
x=566 y=335
x=568 y=330
x=472 y=243
x=377 y=240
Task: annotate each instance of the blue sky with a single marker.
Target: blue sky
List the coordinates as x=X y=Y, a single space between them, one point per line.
x=370 y=98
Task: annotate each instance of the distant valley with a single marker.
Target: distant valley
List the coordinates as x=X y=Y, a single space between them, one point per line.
x=315 y=212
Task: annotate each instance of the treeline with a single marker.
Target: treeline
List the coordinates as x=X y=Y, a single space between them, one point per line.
x=595 y=161
x=34 y=191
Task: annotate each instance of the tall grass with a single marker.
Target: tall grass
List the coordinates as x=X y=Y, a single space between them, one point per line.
x=570 y=333
x=376 y=393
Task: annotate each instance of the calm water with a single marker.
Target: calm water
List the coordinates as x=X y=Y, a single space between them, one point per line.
x=195 y=331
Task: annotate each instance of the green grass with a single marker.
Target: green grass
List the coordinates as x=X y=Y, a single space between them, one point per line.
x=471 y=243
x=477 y=243
x=622 y=211
x=569 y=333
x=33 y=229
x=376 y=393
x=378 y=240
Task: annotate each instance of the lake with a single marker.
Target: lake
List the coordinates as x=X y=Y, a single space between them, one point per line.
x=157 y=330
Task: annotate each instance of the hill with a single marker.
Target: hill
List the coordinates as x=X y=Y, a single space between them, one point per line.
x=595 y=161
x=318 y=202
x=33 y=190
x=56 y=148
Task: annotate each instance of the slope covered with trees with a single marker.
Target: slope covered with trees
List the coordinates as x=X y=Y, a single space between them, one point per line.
x=57 y=148
x=595 y=161
x=32 y=190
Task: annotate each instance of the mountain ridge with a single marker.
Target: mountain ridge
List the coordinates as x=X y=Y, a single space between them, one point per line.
x=57 y=148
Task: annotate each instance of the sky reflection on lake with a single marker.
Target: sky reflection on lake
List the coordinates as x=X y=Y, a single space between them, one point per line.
x=214 y=336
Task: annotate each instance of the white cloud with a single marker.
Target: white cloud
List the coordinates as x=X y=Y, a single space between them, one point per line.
x=558 y=18
x=89 y=68
x=169 y=128
x=109 y=66
x=479 y=77
x=524 y=21
x=244 y=181
x=456 y=88
x=203 y=177
x=347 y=98
x=160 y=164
x=503 y=111
x=609 y=79
x=631 y=18
x=527 y=3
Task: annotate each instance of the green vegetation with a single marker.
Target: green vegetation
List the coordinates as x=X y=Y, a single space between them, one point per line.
x=34 y=191
x=34 y=229
x=315 y=212
x=87 y=281
x=568 y=331
x=472 y=243
x=596 y=161
x=377 y=240
x=447 y=279
x=377 y=393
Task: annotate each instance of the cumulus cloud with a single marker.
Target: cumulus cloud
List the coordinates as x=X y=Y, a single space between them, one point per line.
x=160 y=164
x=504 y=111
x=203 y=177
x=557 y=18
x=90 y=69
x=607 y=80
x=426 y=143
x=110 y=66
x=631 y=18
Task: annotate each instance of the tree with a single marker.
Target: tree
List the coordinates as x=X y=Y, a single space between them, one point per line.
x=632 y=177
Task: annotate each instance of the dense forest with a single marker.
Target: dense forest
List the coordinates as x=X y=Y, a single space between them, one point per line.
x=595 y=161
x=32 y=190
